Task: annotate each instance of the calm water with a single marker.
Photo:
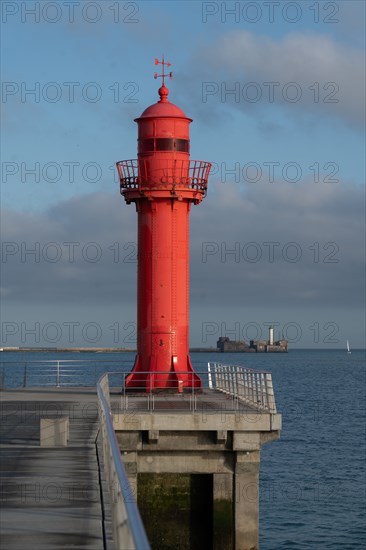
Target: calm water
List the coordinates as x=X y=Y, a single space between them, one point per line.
x=312 y=490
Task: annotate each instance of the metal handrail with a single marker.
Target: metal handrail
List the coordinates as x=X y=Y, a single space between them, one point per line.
x=67 y=361
x=57 y=372
x=136 y=174
x=153 y=399
x=246 y=385
x=129 y=531
x=242 y=385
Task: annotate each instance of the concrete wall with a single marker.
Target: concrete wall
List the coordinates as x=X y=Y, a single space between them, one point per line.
x=226 y=446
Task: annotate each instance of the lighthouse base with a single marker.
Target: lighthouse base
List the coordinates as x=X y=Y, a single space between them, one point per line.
x=152 y=377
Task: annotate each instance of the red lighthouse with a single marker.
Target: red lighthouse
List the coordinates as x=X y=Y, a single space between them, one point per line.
x=163 y=183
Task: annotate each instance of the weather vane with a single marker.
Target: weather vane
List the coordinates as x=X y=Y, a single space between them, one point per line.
x=164 y=64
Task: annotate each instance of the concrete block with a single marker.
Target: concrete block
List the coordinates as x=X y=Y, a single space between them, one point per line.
x=246 y=441
x=127 y=421
x=130 y=463
x=246 y=511
x=181 y=441
x=153 y=436
x=221 y=436
x=54 y=431
x=185 y=462
x=131 y=468
x=276 y=421
x=247 y=462
x=130 y=441
x=223 y=486
x=243 y=421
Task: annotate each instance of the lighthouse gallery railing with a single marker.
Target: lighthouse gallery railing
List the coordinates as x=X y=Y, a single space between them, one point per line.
x=136 y=174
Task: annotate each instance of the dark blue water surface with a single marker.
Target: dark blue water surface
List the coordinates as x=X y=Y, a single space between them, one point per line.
x=313 y=482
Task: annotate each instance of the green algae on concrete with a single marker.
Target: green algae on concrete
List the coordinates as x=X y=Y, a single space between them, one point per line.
x=222 y=524
x=176 y=510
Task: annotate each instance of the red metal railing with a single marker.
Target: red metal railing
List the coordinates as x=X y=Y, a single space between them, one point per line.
x=139 y=174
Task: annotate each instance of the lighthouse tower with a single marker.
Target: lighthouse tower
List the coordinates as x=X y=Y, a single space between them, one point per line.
x=163 y=183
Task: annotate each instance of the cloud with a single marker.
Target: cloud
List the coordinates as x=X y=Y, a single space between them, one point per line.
x=289 y=245
x=84 y=251
x=329 y=77
x=351 y=22
x=280 y=244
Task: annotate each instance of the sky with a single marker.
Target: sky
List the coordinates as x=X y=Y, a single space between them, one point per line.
x=276 y=91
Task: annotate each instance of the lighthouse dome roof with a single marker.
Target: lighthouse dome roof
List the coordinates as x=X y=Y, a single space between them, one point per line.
x=163 y=108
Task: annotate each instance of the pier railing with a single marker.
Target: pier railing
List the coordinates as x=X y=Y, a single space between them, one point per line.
x=245 y=385
x=128 y=529
x=243 y=388
x=241 y=385
x=57 y=372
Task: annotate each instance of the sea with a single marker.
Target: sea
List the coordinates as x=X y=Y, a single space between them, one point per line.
x=312 y=482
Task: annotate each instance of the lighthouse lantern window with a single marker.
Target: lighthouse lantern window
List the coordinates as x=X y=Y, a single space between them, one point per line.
x=163 y=144
x=182 y=145
x=146 y=145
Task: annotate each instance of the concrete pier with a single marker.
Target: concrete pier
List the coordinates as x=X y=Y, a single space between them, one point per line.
x=219 y=437
x=54 y=492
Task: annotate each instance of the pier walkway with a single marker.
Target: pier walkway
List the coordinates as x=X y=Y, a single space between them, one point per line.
x=51 y=496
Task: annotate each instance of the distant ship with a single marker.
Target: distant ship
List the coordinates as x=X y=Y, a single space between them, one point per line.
x=348 y=350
